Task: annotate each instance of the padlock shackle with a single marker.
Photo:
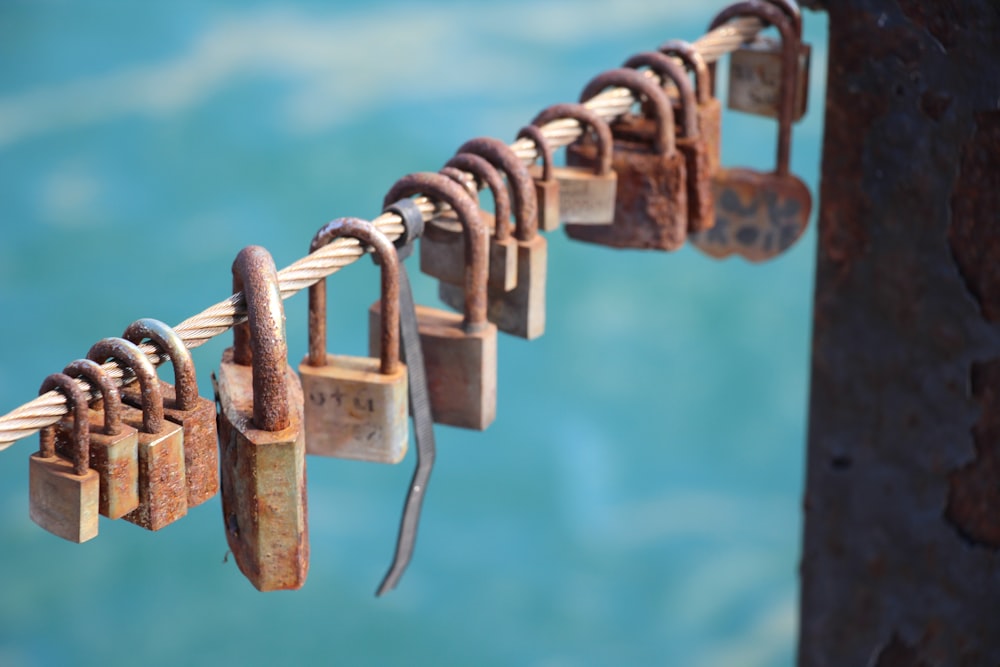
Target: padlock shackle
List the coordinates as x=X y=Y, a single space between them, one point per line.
x=484 y=172
x=792 y=12
x=76 y=400
x=475 y=236
x=693 y=61
x=588 y=120
x=522 y=186
x=168 y=342
x=128 y=355
x=92 y=372
x=367 y=234
x=542 y=147
x=664 y=67
x=260 y=341
x=769 y=13
x=639 y=84
x=458 y=176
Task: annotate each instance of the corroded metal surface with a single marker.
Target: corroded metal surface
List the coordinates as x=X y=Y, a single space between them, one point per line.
x=546 y=187
x=901 y=560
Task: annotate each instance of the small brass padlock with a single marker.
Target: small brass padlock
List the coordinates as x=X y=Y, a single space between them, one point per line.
x=709 y=107
x=460 y=351
x=758 y=215
x=63 y=494
x=546 y=186
x=183 y=406
x=262 y=456
x=356 y=407
x=651 y=197
x=162 y=480
x=113 y=445
x=701 y=211
x=587 y=195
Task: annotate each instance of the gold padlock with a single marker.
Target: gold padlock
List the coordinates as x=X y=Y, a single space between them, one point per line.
x=460 y=351
x=162 y=479
x=587 y=195
x=356 y=407
x=546 y=186
x=64 y=495
x=262 y=457
x=709 y=107
x=113 y=445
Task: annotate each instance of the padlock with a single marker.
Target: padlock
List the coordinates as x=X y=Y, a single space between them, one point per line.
x=356 y=407
x=546 y=186
x=64 y=494
x=262 y=444
x=587 y=195
x=113 y=445
x=701 y=211
x=460 y=351
x=756 y=67
x=651 y=197
x=162 y=481
x=521 y=311
x=709 y=107
x=758 y=215
x=182 y=405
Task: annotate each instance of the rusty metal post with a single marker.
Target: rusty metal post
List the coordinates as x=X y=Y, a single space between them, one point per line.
x=902 y=509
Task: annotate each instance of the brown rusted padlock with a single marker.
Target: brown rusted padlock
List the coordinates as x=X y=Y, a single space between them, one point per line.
x=64 y=494
x=709 y=106
x=183 y=406
x=521 y=311
x=546 y=186
x=758 y=215
x=651 y=198
x=587 y=195
x=460 y=351
x=162 y=479
x=701 y=211
x=356 y=407
x=262 y=444
x=113 y=445
x=756 y=67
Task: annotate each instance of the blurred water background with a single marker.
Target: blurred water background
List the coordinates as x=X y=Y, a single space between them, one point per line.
x=635 y=503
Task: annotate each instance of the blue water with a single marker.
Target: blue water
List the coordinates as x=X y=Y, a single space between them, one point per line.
x=635 y=503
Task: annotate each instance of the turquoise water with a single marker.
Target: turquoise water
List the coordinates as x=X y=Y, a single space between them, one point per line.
x=636 y=501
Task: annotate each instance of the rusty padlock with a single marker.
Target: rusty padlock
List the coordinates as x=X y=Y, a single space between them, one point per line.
x=521 y=311
x=690 y=142
x=587 y=195
x=709 y=106
x=183 y=406
x=162 y=479
x=651 y=198
x=758 y=215
x=756 y=67
x=546 y=186
x=356 y=407
x=113 y=445
x=262 y=445
x=64 y=494
x=460 y=351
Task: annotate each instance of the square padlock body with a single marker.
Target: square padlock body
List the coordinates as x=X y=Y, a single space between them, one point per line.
x=586 y=198
x=263 y=483
x=701 y=203
x=162 y=479
x=61 y=502
x=353 y=411
x=115 y=458
x=461 y=366
x=755 y=78
x=547 y=194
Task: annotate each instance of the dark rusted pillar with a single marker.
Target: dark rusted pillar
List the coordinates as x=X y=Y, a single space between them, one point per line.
x=900 y=560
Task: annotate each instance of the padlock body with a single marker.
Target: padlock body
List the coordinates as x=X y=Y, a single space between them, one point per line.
x=548 y=197
x=115 y=458
x=651 y=195
x=586 y=198
x=701 y=202
x=758 y=215
x=162 y=480
x=263 y=483
x=353 y=411
x=442 y=253
x=520 y=312
x=755 y=78
x=710 y=130
x=61 y=502
x=461 y=366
